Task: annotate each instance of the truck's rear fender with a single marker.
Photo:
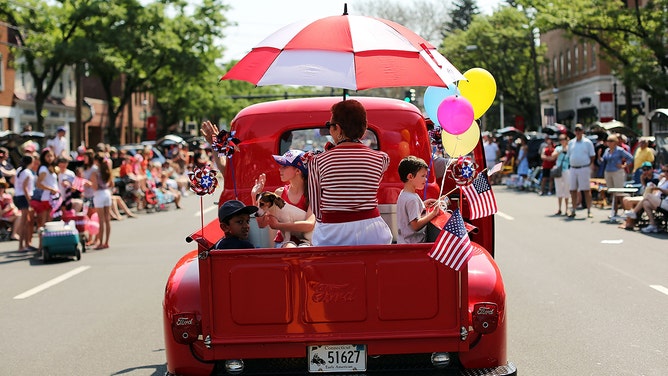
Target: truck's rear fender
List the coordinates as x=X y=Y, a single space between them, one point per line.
x=183 y=299
x=487 y=296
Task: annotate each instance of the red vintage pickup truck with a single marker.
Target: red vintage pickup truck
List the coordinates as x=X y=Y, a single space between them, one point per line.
x=350 y=309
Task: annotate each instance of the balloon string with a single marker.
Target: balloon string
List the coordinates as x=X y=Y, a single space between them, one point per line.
x=431 y=165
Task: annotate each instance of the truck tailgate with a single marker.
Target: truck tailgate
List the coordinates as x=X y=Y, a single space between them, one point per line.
x=274 y=302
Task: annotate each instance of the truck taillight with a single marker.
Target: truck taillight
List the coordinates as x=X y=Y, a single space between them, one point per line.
x=185 y=328
x=485 y=317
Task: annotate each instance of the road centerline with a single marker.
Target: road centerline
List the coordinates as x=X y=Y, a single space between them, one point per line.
x=659 y=288
x=210 y=208
x=52 y=282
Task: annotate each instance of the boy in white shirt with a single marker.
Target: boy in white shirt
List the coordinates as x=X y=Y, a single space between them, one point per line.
x=411 y=211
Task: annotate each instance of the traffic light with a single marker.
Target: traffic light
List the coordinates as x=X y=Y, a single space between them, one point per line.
x=409 y=96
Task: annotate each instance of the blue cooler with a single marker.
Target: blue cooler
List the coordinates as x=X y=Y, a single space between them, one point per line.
x=60 y=239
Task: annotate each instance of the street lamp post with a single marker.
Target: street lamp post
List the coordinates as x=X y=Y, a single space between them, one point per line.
x=614 y=97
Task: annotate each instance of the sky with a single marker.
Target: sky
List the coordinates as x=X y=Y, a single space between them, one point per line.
x=256 y=19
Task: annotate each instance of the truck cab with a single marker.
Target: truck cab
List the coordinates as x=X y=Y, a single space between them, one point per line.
x=351 y=309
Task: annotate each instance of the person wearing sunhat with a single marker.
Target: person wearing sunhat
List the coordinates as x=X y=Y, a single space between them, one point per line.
x=234 y=219
x=60 y=144
x=293 y=172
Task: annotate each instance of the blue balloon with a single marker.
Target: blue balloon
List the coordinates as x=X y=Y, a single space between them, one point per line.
x=433 y=97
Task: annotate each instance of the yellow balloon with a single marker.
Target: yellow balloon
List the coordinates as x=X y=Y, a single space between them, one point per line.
x=461 y=144
x=479 y=88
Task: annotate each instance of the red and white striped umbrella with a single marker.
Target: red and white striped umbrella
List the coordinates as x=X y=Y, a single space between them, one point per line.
x=349 y=52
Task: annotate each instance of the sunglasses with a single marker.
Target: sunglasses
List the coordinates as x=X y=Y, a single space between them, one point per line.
x=329 y=125
x=646 y=169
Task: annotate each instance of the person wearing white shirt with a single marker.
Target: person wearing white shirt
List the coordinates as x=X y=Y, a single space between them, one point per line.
x=60 y=144
x=580 y=157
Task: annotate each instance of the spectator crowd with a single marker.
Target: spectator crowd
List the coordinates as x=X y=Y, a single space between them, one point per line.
x=582 y=170
x=100 y=184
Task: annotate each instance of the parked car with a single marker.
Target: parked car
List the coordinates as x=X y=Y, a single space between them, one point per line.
x=133 y=149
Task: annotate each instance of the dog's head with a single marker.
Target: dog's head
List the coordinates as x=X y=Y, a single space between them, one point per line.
x=266 y=200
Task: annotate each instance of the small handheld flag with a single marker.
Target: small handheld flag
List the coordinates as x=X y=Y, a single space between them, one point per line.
x=453 y=247
x=480 y=197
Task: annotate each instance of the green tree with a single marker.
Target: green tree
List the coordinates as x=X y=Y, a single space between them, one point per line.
x=501 y=44
x=48 y=38
x=137 y=44
x=630 y=37
x=461 y=16
x=426 y=18
x=186 y=88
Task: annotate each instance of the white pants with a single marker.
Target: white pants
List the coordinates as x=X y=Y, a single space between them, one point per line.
x=365 y=231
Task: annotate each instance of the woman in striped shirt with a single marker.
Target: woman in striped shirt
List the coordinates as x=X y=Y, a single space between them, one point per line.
x=347 y=214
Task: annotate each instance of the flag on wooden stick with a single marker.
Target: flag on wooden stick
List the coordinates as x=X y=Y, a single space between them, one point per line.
x=480 y=197
x=453 y=247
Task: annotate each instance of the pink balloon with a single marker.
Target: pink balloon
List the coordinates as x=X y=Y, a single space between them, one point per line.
x=93 y=225
x=455 y=114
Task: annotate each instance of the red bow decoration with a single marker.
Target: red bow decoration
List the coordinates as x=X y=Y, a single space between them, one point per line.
x=464 y=171
x=435 y=138
x=224 y=143
x=307 y=156
x=203 y=180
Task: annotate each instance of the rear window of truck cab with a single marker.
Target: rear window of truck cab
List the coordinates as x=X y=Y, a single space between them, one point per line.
x=316 y=138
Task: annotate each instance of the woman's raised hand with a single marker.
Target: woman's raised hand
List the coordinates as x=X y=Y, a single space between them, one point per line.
x=209 y=131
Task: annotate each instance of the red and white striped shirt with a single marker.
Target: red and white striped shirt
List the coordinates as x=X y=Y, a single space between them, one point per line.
x=345 y=179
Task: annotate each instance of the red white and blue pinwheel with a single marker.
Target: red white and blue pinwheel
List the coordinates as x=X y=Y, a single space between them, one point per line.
x=203 y=180
x=464 y=171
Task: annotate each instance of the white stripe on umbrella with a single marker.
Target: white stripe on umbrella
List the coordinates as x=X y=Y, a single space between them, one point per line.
x=311 y=68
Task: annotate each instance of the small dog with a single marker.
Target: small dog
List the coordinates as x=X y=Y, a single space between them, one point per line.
x=271 y=203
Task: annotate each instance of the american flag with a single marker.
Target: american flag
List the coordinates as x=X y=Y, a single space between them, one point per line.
x=480 y=196
x=452 y=248
x=79 y=183
x=497 y=167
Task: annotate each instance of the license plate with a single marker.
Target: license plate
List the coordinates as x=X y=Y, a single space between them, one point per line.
x=336 y=358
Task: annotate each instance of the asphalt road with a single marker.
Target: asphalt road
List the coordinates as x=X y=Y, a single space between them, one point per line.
x=584 y=298
x=106 y=318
